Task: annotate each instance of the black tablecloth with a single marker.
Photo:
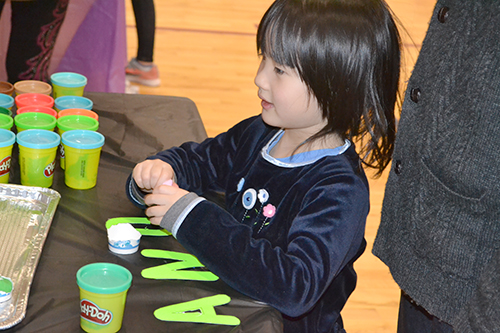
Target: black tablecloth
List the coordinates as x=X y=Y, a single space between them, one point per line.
x=135 y=126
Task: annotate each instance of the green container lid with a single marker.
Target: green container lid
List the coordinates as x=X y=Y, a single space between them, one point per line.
x=104 y=278
x=77 y=122
x=6 y=121
x=35 y=120
x=5 y=111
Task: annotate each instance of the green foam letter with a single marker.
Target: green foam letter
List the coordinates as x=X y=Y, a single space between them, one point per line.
x=138 y=220
x=198 y=311
x=175 y=270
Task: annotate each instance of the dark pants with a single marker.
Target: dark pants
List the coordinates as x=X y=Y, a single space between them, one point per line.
x=145 y=20
x=415 y=319
x=34 y=29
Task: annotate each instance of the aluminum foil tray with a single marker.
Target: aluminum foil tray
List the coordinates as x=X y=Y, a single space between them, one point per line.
x=25 y=217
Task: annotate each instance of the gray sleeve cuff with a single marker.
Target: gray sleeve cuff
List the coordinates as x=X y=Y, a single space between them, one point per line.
x=174 y=217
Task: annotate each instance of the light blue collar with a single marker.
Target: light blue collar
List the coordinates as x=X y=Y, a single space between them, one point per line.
x=301 y=159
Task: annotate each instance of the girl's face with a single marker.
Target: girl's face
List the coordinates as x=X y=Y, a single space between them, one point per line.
x=286 y=101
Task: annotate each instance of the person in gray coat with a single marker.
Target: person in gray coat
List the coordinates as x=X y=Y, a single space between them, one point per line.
x=440 y=228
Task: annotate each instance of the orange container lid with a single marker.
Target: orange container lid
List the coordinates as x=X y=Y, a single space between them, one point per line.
x=78 y=111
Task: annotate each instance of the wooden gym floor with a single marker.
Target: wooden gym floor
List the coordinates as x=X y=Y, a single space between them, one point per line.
x=205 y=50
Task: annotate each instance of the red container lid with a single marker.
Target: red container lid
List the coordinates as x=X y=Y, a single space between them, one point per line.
x=34 y=99
x=37 y=108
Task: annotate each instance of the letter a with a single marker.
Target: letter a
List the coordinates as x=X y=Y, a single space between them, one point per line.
x=198 y=311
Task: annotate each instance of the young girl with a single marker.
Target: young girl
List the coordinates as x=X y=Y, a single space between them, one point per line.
x=296 y=195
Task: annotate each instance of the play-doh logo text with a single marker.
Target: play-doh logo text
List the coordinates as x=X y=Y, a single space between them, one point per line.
x=5 y=166
x=91 y=312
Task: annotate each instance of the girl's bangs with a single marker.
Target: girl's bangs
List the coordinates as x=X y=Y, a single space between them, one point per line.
x=279 y=38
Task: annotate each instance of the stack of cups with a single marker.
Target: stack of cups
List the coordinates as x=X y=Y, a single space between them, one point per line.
x=83 y=150
x=74 y=122
x=103 y=294
x=37 y=154
x=67 y=84
x=7 y=139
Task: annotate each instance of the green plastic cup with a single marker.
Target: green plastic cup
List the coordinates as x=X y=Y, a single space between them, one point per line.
x=7 y=139
x=103 y=294
x=6 y=121
x=82 y=153
x=37 y=155
x=77 y=121
x=34 y=120
x=67 y=84
x=70 y=123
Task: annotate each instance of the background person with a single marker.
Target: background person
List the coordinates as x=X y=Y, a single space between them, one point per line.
x=35 y=25
x=440 y=228
x=141 y=69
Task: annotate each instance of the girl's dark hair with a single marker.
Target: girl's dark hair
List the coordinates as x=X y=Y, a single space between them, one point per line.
x=347 y=52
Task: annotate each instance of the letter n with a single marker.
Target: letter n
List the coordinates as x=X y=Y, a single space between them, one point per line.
x=176 y=270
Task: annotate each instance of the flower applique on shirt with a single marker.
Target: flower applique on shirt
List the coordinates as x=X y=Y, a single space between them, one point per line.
x=259 y=211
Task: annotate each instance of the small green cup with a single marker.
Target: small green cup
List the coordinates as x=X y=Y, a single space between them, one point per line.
x=70 y=123
x=83 y=150
x=103 y=294
x=67 y=84
x=7 y=139
x=37 y=154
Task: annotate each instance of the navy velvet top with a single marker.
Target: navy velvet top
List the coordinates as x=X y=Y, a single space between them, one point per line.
x=289 y=233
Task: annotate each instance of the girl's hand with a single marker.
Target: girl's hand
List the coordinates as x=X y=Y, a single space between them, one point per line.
x=150 y=174
x=160 y=201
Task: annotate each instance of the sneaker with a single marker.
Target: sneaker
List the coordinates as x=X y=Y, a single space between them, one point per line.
x=145 y=75
x=130 y=88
